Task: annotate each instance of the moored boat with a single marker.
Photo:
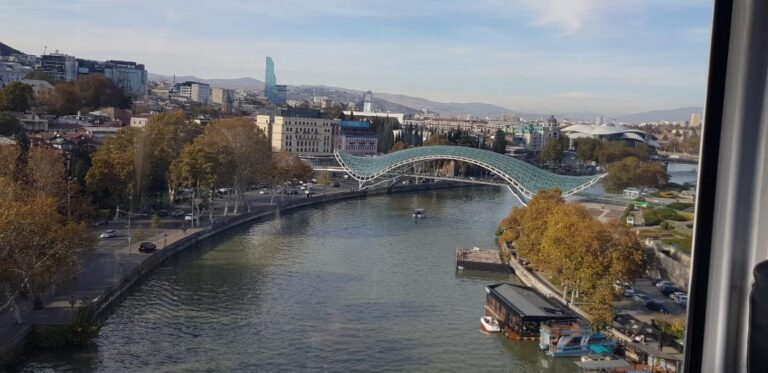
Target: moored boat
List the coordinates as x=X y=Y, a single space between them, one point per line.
x=489 y=325
x=573 y=338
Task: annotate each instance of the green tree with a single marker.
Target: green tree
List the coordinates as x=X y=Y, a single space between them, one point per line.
x=96 y=90
x=16 y=96
x=9 y=125
x=586 y=149
x=40 y=75
x=500 y=142
x=553 y=152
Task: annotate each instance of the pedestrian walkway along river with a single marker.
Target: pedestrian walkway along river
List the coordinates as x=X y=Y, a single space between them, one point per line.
x=357 y=285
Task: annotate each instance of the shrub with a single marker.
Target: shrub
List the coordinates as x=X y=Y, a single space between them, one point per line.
x=679 y=205
x=668 y=214
x=650 y=217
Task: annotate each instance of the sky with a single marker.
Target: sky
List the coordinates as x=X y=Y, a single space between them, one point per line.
x=544 y=56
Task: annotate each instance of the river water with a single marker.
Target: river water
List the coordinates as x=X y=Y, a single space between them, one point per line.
x=349 y=286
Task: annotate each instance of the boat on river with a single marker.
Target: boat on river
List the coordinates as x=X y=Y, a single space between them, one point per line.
x=489 y=325
x=573 y=338
x=418 y=213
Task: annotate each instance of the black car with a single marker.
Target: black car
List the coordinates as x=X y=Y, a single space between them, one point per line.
x=147 y=247
x=667 y=290
x=656 y=307
x=162 y=213
x=100 y=222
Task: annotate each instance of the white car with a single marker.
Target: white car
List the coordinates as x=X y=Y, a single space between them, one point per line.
x=108 y=234
x=263 y=191
x=188 y=217
x=677 y=294
x=681 y=299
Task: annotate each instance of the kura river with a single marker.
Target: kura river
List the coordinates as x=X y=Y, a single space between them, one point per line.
x=351 y=286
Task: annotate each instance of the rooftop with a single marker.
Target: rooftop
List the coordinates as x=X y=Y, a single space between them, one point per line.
x=527 y=302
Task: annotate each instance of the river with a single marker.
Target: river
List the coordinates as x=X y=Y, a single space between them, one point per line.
x=349 y=286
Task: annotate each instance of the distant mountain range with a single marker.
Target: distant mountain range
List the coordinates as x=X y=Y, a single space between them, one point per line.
x=398 y=103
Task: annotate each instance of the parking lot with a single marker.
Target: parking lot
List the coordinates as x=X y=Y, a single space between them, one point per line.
x=628 y=306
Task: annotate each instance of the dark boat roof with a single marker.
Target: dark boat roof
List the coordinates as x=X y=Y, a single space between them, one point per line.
x=528 y=303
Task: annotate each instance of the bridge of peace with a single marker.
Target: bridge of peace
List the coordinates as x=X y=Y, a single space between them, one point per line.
x=523 y=179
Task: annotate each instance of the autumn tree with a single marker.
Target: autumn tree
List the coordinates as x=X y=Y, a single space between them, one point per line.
x=286 y=167
x=587 y=256
x=631 y=171
x=440 y=139
x=195 y=169
x=40 y=246
x=166 y=134
x=112 y=176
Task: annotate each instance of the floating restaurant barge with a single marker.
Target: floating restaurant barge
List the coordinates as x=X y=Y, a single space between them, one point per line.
x=476 y=259
x=520 y=310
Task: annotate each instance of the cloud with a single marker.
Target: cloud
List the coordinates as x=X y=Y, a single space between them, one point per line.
x=569 y=16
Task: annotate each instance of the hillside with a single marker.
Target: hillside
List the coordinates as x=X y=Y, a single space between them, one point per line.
x=673 y=115
x=6 y=50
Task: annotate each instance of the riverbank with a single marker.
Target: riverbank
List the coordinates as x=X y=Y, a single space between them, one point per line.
x=110 y=273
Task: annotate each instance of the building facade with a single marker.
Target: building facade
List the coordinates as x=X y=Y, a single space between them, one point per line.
x=11 y=72
x=354 y=137
x=270 y=81
x=129 y=76
x=194 y=91
x=299 y=131
x=532 y=136
x=59 y=66
x=282 y=94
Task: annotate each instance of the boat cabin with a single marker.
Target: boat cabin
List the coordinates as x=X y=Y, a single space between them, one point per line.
x=521 y=310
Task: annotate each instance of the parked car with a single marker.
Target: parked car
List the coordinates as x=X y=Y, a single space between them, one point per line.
x=662 y=283
x=681 y=299
x=656 y=307
x=162 y=213
x=108 y=234
x=641 y=298
x=147 y=247
x=677 y=294
x=628 y=291
x=667 y=290
x=177 y=213
x=263 y=191
x=188 y=217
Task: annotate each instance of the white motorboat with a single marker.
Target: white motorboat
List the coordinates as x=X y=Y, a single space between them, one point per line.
x=489 y=325
x=418 y=213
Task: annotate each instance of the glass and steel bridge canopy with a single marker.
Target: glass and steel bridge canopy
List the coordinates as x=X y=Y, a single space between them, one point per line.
x=523 y=178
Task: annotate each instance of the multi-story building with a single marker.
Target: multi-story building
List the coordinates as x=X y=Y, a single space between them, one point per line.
x=282 y=95
x=354 y=137
x=129 y=76
x=11 y=72
x=695 y=120
x=197 y=92
x=222 y=95
x=300 y=131
x=368 y=101
x=59 y=66
x=532 y=136
x=270 y=81
x=139 y=121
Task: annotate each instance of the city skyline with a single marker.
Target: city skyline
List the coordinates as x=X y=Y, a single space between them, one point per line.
x=531 y=56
